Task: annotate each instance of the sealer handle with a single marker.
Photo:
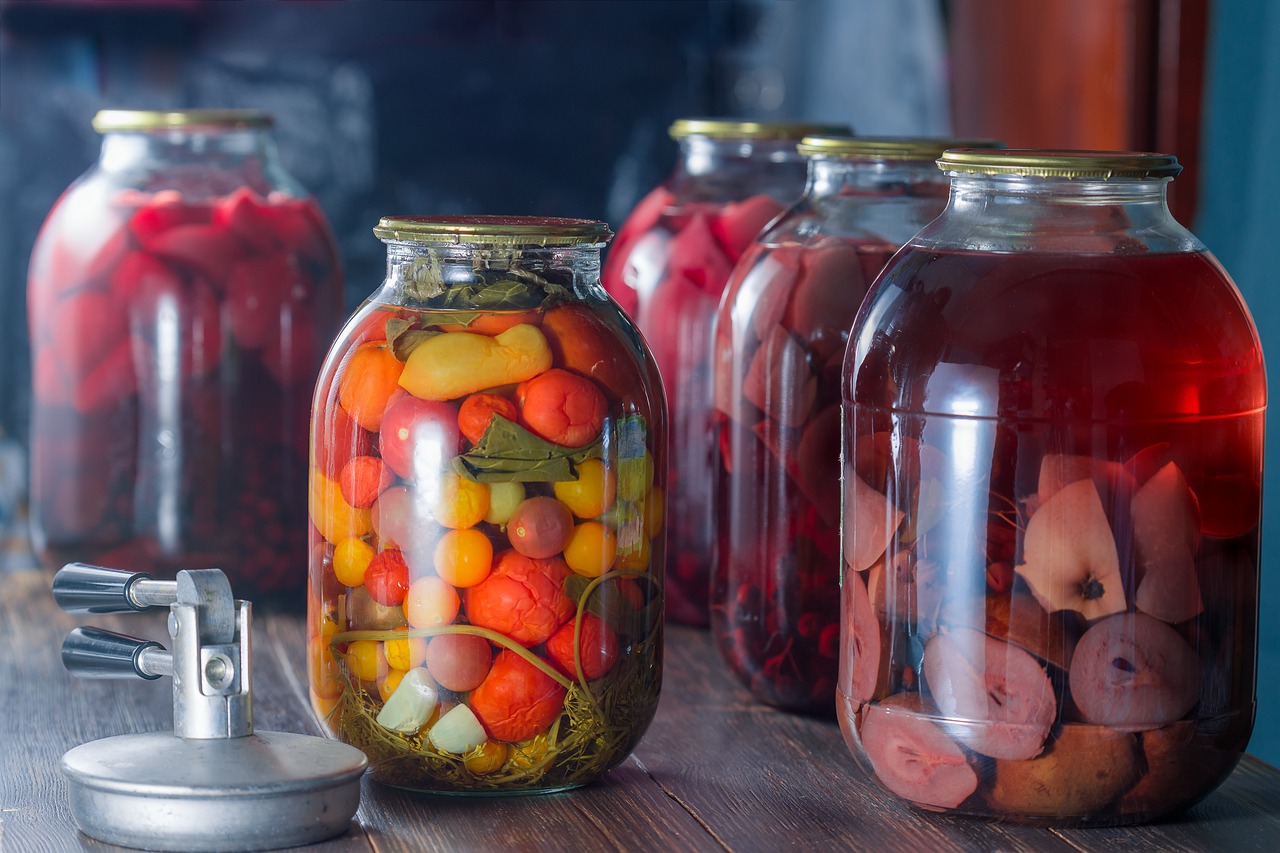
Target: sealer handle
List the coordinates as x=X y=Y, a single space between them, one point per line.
x=95 y=653
x=81 y=588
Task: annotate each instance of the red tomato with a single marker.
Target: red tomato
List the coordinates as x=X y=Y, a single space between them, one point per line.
x=516 y=700
x=418 y=434
x=477 y=411
x=522 y=598
x=459 y=662
x=387 y=578
x=598 y=648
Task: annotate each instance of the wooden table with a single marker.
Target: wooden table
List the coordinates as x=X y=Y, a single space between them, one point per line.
x=716 y=771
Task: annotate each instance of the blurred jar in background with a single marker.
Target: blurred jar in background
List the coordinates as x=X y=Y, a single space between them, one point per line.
x=668 y=268
x=180 y=295
x=780 y=341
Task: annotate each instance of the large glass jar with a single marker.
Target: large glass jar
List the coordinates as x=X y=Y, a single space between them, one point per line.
x=487 y=506
x=780 y=337
x=1054 y=401
x=668 y=269
x=179 y=297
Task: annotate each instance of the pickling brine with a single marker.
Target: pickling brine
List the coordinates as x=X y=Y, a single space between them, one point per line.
x=1052 y=505
x=487 y=505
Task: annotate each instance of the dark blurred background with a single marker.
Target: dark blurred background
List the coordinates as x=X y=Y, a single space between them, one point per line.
x=560 y=107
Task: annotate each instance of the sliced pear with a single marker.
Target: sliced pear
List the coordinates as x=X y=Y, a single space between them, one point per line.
x=1166 y=534
x=410 y=706
x=1085 y=769
x=1069 y=554
x=869 y=519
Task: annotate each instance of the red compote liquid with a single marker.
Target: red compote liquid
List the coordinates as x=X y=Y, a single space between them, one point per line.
x=1063 y=455
x=669 y=279
x=176 y=341
x=780 y=344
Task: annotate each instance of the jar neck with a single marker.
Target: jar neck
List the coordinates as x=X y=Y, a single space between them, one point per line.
x=1014 y=212
x=732 y=169
x=463 y=276
x=200 y=160
x=830 y=176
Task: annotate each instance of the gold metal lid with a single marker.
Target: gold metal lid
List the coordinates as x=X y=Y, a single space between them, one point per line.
x=716 y=128
x=503 y=230
x=1032 y=162
x=887 y=147
x=108 y=121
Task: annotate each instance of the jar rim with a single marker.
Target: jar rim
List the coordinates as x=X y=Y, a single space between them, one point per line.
x=1053 y=163
x=109 y=121
x=888 y=147
x=493 y=229
x=716 y=128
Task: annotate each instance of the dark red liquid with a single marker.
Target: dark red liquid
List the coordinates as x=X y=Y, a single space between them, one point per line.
x=1052 y=452
x=780 y=343
x=175 y=347
x=668 y=270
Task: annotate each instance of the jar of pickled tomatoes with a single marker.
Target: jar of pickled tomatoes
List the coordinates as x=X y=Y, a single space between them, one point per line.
x=780 y=337
x=1053 y=408
x=668 y=269
x=487 y=507
x=179 y=297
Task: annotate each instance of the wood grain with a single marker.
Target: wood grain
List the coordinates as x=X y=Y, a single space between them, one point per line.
x=716 y=771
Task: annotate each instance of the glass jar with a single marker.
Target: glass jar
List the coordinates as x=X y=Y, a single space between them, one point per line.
x=780 y=337
x=487 y=512
x=179 y=295
x=1054 y=401
x=667 y=270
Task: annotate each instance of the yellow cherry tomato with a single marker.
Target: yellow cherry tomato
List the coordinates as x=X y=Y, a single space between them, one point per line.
x=464 y=557
x=407 y=653
x=326 y=678
x=592 y=493
x=388 y=684
x=655 y=510
x=462 y=503
x=591 y=549
x=366 y=660
x=351 y=558
x=487 y=758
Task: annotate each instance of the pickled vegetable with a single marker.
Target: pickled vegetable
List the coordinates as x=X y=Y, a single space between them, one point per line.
x=501 y=500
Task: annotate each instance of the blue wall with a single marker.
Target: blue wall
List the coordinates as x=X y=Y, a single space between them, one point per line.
x=1239 y=220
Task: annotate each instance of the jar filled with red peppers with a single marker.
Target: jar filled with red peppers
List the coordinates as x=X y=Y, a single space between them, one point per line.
x=487 y=507
x=668 y=269
x=1053 y=445
x=179 y=296
x=780 y=338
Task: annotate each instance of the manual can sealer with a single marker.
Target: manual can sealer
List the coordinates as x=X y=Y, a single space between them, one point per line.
x=212 y=784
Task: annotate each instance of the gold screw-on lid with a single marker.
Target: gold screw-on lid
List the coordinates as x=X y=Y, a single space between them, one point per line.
x=716 y=128
x=887 y=147
x=493 y=230
x=1031 y=162
x=108 y=121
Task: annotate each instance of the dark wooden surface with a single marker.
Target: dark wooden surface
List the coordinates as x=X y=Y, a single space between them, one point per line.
x=715 y=772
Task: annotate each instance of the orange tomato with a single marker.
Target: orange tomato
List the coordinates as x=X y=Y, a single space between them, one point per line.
x=368 y=380
x=464 y=557
x=522 y=598
x=562 y=407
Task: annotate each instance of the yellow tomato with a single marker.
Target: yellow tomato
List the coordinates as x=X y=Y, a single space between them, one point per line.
x=366 y=660
x=486 y=758
x=405 y=654
x=464 y=557
x=351 y=558
x=462 y=503
x=591 y=549
x=592 y=493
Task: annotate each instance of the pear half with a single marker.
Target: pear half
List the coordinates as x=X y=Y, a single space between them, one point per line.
x=1069 y=554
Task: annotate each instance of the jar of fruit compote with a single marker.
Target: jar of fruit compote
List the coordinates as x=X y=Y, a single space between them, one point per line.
x=487 y=506
x=179 y=296
x=668 y=269
x=1053 y=404
x=780 y=337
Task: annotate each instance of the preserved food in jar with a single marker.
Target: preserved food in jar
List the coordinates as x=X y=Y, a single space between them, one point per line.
x=668 y=269
x=780 y=337
x=487 y=509
x=179 y=296
x=1055 y=401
